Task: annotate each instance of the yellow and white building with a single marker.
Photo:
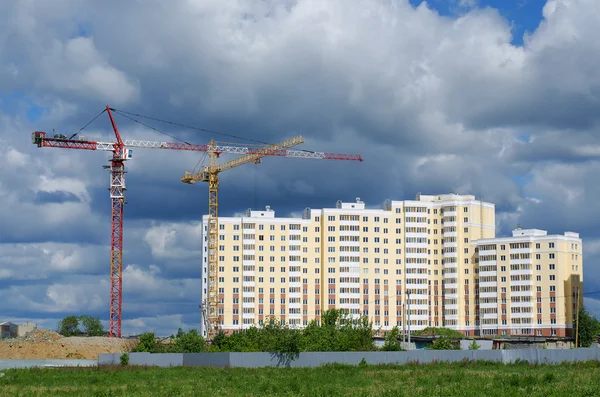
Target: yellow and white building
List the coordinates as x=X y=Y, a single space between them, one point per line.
x=529 y=283
x=413 y=263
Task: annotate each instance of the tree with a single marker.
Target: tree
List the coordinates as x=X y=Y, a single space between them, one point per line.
x=68 y=326
x=91 y=325
x=148 y=344
x=588 y=327
x=473 y=345
x=191 y=342
x=392 y=342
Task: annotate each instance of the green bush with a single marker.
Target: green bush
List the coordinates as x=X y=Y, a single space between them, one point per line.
x=444 y=343
x=474 y=345
x=124 y=358
x=432 y=331
x=148 y=344
x=336 y=332
x=190 y=342
x=392 y=342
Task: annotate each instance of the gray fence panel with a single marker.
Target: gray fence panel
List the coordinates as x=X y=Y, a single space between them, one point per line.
x=559 y=356
x=9 y=364
x=431 y=356
x=486 y=355
x=510 y=356
x=158 y=360
x=109 y=359
x=221 y=360
x=316 y=359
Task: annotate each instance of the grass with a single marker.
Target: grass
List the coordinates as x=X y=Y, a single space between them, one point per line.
x=458 y=379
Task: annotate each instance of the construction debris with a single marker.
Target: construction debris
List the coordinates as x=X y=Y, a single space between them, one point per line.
x=45 y=344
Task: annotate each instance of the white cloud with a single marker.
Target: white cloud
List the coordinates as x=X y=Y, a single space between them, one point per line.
x=174 y=241
x=432 y=103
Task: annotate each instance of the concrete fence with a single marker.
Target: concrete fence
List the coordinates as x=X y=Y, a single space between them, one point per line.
x=316 y=359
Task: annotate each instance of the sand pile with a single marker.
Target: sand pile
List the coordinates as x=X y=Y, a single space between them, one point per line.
x=45 y=344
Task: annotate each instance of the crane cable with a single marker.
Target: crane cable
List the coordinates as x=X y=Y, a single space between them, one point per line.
x=89 y=122
x=123 y=112
x=149 y=126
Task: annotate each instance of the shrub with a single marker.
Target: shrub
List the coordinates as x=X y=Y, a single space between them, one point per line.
x=148 y=344
x=473 y=345
x=190 y=342
x=444 y=343
x=124 y=358
x=392 y=342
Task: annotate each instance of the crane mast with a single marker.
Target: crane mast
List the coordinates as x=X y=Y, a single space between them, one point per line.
x=210 y=174
x=213 y=239
x=117 y=196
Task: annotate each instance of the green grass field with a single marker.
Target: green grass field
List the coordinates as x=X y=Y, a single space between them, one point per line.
x=462 y=379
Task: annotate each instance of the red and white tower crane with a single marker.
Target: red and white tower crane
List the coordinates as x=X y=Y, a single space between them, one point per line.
x=121 y=153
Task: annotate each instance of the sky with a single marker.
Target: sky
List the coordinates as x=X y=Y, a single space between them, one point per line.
x=494 y=98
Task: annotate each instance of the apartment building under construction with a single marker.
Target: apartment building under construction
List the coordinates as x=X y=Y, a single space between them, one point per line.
x=429 y=262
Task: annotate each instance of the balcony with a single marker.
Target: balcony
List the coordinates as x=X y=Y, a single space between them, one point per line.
x=487 y=284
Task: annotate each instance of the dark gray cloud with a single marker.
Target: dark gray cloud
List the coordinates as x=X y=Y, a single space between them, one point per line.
x=432 y=104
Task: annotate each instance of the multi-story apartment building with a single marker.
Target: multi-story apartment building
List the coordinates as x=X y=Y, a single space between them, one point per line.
x=412 y=263
x=529 y=283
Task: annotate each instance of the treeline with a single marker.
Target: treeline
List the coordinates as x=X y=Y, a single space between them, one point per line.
x=83 y=325
x=336 y=332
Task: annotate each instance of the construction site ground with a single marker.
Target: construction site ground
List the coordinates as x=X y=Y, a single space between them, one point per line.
x=44 y=344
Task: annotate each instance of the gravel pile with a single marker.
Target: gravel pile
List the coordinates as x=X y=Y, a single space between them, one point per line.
x=41 y=335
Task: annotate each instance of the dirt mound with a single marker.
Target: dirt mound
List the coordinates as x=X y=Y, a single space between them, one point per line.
x=44 y=344
x=39 y=335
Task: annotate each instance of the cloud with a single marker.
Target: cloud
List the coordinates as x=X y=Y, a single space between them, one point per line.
x=432 y=102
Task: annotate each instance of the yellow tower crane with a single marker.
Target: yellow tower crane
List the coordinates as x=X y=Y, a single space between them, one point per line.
x=210 y=174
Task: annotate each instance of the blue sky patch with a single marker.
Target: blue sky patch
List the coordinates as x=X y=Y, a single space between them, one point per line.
x=16 y=103
x=523 y=15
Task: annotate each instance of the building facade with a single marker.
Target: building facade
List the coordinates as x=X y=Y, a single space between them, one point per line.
x=529 y=284
x=412 y=263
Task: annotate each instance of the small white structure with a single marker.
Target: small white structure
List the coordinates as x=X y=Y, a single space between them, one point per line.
x=25 y=328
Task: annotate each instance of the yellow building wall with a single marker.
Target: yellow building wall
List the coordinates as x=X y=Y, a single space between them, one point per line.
x=367 y=261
